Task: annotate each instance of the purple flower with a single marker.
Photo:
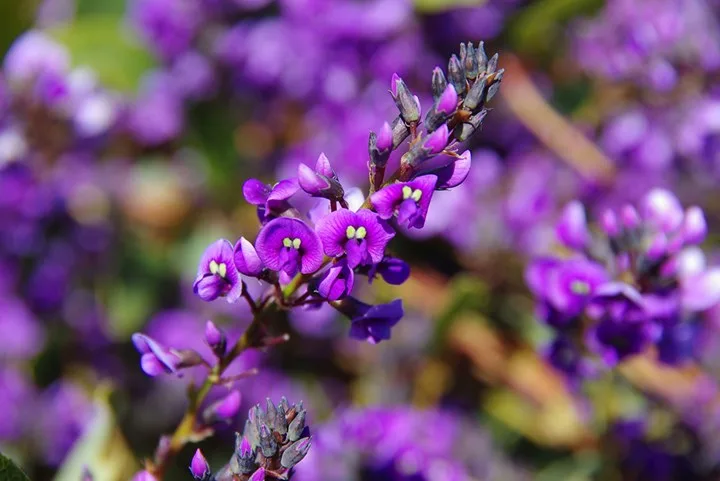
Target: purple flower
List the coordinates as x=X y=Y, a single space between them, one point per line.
x=571 y=284
x=361 y=235
x=33 y=54
x=368 y=322
x=224 y=409
x=322 y=181
x=454 y=173
x=408 y=200
x=156 y=359
x=168 y=26
x=337 y=282
x=289 y=246
x=246 y=259
x=217 y=275
x=271 y=201
x=393 y=271
x=572 y=228
x=199 y=467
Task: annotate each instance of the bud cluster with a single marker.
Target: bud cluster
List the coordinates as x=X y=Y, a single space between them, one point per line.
x=273 y=442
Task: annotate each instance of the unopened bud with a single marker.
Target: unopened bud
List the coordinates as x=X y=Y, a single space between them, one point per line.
x=456 y=75
x=268 y=445
x=471 y=62
x=295 y=453
x=437 y=141
x=443 y=108
x=492 y=64
x=318 y=185
x=465 y=130
x=439 y=82
x=215 y=338
x=482 y=57
x=258 y=475
x=296 y=427
x=400 y=131
x=199 y=467
x=243 y=461
x=476 y=95
x=405 y=101
x=495 y=86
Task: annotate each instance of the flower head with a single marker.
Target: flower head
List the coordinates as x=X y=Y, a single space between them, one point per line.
x=410 y=201
x=216 y=274
x=289 y=246
x=361 y=235
x=271 y=201
x=370 y=323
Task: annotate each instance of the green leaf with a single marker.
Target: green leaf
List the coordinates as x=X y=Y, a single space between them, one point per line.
x=104 y=43
x=10 y=472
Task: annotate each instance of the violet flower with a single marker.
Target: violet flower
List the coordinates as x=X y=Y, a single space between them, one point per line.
x=362 y=236
x=199 y=467
x=247 y=261
x=409 y=201
x=156 y=359
x=337 y=282
x=321 y=181
x=217 y=275
x=271 y=201
x=394 y=271
x=370 y=323
x=289 y=246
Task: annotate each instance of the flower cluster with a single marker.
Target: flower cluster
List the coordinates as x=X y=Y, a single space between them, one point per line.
x=273 y=442
x=640 y=279
x=402 y=444
x=325 y=248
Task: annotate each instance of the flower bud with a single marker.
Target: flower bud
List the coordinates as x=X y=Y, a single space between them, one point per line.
x=318 y=185
x=270 y=413
x=297 y=426
x=609 y=223
x=385 y=138
x=629 y=217
x=215 y=338
x=476 y=95
x=657 y=247
x=400 y=132
x=243 y=461
x=258 y=475
x=495 y=85
x=199 y=467
x=663 y=210
x=465 y=130
x=268 y=445
x=405 y=101
x=378 y=157
x=492 y=64
x=482 y=57
x=456 y=75
x=323 y=167
x=281 y=422
x=572 y=228
x=246 y=259
x=295 y=453
x=437 y=141
x=439 y=82
x=443 y=108
x=694 y=228
x=471 y=62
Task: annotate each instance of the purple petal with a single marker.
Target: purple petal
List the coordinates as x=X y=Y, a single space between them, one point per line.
x=408 y=212
x=386 y=199
x=323 y=167
x=572 y=228
x=357 y=252
x=151 y=365
x=255 y=192
x=663 y=209
x=694 y=228
x=426 y=184
x=199 y=467
x=454 y=173
x=219 y=251
x=209 y=287
x=447 y=103
x=332 y=230
x=246 y=258
x=537 y=275
x=438 y=140
x=281 y=192
x=379 y=233
x=269 y=244
x=311 y=182
x=229 y=406
x=394 y=271
x=702 y=291
x=337 y=283
x=385 y=138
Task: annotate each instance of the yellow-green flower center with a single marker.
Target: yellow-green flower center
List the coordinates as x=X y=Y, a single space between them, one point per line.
x=356 y=233
x=218 y=269
x=294 y=243
x=580 y=287
x=409 y=193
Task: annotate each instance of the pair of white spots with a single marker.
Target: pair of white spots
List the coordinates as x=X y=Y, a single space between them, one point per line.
x=292 y=243
x=409 y=193
x=355 y=233
x=218 y=269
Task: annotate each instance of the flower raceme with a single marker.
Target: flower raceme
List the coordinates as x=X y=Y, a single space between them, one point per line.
x=324 y=255
x=637 y=280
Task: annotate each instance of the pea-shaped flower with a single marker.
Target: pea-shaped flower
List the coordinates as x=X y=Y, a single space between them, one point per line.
x=410 y=201
x=289 y=246
x=362 y=235
x=216 y=274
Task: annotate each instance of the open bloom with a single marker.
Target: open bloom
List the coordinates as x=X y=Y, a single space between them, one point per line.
x=408 y=200
x=362 y=235
x=216 y=274
x=370 y=323
x=289 y=246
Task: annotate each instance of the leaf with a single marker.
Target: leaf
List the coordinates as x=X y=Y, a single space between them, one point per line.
x=104 y=43
x=9 y=471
